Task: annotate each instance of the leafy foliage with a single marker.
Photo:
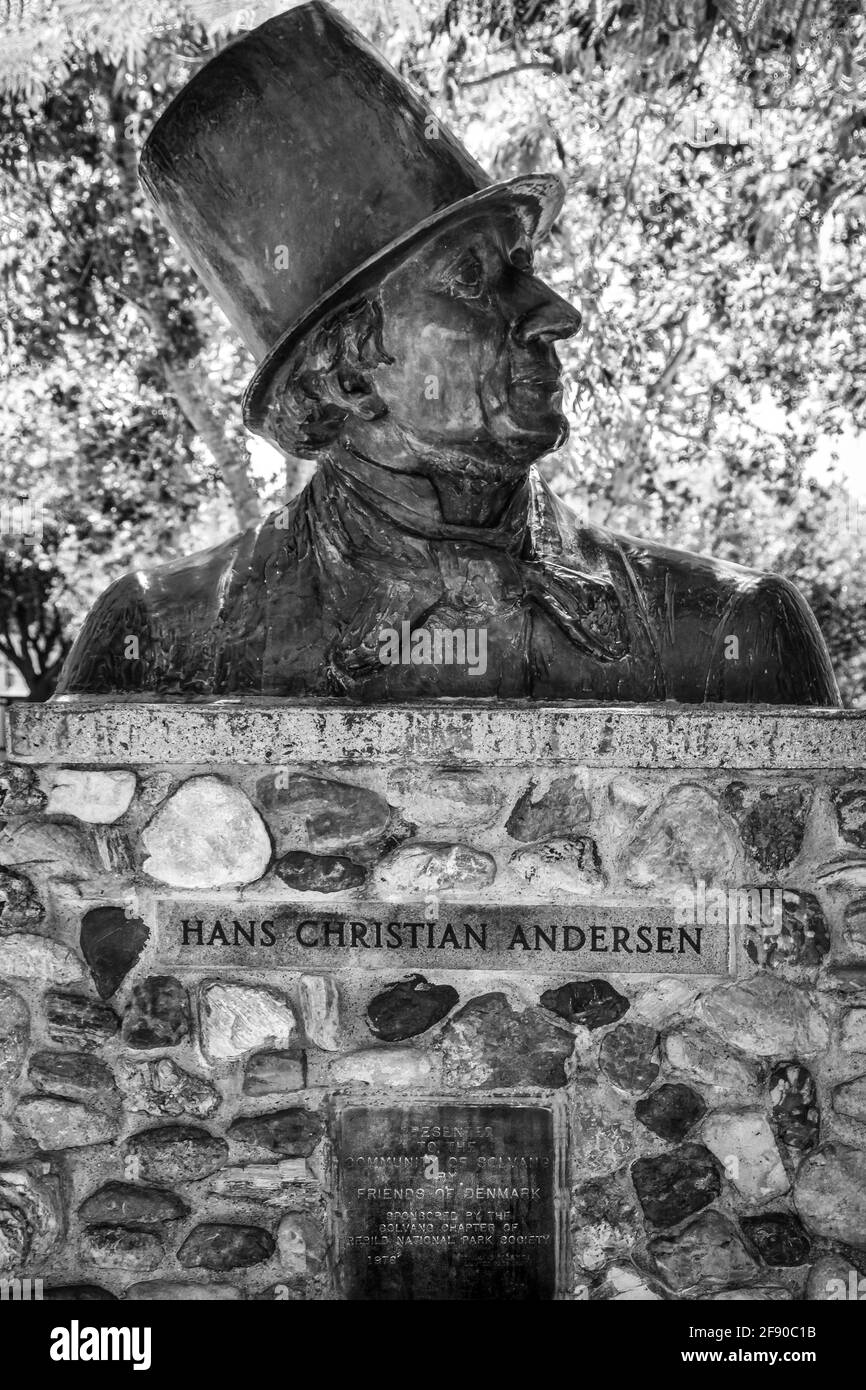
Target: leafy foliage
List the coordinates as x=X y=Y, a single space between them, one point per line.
x=34 y=631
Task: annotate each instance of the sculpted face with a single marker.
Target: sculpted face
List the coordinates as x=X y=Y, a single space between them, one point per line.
x=471 y=331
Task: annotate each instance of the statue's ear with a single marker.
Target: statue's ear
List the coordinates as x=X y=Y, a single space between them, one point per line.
x=341 y=357
x=330 y=379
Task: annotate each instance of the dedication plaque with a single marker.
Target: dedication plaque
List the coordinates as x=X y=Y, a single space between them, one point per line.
x=450 y=1202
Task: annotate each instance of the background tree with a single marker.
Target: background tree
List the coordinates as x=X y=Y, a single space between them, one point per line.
x=34 y=627
x=713 y=236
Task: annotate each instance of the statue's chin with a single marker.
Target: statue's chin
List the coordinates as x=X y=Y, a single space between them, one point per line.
x=531 y=427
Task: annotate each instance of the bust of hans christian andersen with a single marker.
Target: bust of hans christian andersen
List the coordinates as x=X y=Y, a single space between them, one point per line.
x=405 y=342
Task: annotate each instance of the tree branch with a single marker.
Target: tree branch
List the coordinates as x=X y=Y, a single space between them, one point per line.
x=507 y=72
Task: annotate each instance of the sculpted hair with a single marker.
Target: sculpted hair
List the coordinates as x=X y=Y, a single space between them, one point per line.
x=329 y=379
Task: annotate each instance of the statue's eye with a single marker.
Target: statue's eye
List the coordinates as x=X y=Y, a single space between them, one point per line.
x=520 y=258
x=467 y=278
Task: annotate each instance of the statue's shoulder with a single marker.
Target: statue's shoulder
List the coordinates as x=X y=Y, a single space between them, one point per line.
x=143 y=620
x=744 y=634
x=172 y=629
x=660 y=572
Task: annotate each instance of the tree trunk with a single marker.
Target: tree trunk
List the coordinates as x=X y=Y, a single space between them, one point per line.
x=188 y=386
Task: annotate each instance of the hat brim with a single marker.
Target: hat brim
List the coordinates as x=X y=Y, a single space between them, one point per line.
x=537 y=198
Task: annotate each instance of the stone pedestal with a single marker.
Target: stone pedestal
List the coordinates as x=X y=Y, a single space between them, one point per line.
x=441 y=1002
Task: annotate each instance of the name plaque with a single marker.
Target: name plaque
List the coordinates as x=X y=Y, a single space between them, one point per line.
x=447 y=1202
x=438 y=936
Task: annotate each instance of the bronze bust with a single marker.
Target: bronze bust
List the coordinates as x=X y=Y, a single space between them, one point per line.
x=386 y=289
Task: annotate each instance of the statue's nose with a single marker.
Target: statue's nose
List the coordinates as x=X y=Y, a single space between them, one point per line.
x=543 y=315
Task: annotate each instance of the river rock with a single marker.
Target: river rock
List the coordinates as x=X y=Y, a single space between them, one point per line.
x=805 y=937
x=665 y=1000
x=235 y=1019
x=20 y=793
x=328 y=813
x=628 y=1057
x=115 y=1247
x=702 y=1256
x=795 y=1117
x=686 y=839
x=267 y=1073
x=67 y=851
x=564 y=865
x=778 y=1237
x=300 y=1245
x=421 y=867
x=319 y=873
x=74 y=1075
x=207 y=834
x=561 y=810
x=294 y=1133
x=98 y=798
x=771 y=821
x=131 y=1205
x=671 y=1111
x=14 y=1237
x=743 y=1143
x=627 y=800
x=623 y=1284
x=487 y=1043
x=832 y=1279
x=765 y=1016
x=606 y=1222
x=54 y=1123
x=319 y=999
x=75 y=1021
x=855 y=923
x=280 y=1184
x=180 y=1291
x=702 y=1059
x=850 y=806
x=852 y=1031
x=111 y=943
x=24 y=956
x=14 y=1034
x=174 y=1154
x=589 y=1003
x=157 y=1014
x=602 y=1131
x=830 y=1194
x=409 y=1007
x=674 y=1185
x=20 y=904
x=443 y=798
x=849 y=1099
x=392 y=1068
x=160 y=1087
x=219 y=1246
x=847 y=976
x=32 y=1222
x=797 y=936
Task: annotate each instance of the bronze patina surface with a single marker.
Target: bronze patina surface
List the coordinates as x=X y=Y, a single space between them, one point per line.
x=386 y=289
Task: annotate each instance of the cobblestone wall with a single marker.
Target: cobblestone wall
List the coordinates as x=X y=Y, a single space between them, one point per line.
x=169 y=1091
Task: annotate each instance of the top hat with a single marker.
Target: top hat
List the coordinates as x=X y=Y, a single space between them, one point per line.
x=299 y=144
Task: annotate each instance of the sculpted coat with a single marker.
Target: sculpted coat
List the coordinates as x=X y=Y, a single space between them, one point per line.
x=289 y=608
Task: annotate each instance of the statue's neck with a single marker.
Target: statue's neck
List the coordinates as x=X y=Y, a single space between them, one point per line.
x=435 y=500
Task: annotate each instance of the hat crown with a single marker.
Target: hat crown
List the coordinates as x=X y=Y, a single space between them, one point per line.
x=292 y=157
